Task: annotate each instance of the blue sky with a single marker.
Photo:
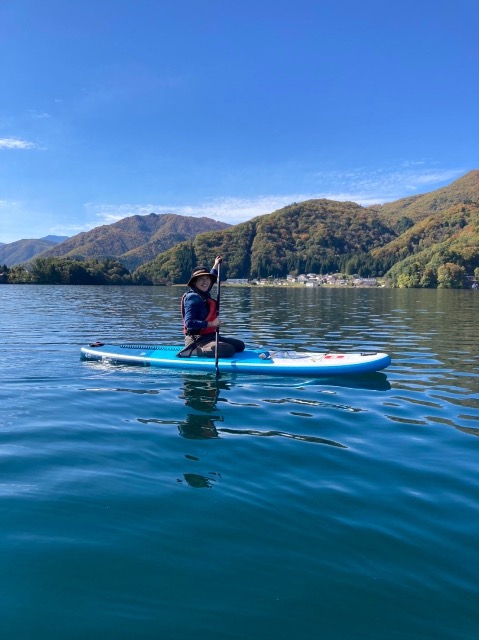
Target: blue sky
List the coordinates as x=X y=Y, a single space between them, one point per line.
x=228 y=109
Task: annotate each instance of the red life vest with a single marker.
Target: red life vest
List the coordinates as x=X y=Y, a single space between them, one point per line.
x=211 y=315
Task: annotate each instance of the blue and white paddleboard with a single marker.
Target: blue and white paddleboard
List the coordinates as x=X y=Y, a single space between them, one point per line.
x=255 y=361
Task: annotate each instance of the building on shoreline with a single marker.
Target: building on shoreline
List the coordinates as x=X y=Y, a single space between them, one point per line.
x=310 y=280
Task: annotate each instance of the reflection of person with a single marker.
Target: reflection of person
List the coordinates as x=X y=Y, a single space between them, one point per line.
x=201 y=394
x=197 y=481
x=200 y=318
x=198 y=427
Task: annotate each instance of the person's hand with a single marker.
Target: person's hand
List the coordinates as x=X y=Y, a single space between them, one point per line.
x=214 y=323
x=218 y=260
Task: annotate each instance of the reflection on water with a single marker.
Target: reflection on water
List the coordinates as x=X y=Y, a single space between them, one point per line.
x=202 y=393
x=197 y=481
x=105 y=529
x=281 y=434
x=199 y=427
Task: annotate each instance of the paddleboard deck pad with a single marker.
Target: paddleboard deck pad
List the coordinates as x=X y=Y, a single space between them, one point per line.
x=252 y=361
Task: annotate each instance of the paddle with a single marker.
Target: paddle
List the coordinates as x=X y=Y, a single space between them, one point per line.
x=218 y=311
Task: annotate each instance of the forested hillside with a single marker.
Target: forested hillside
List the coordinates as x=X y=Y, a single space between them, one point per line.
x=134 y=240
x=429 y=240
x=13 y=253
x=313 y=236
x=324 y=236
x=462 y=191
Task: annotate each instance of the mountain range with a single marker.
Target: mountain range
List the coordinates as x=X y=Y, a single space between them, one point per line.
x=133 y=240
x=13 y=253
x=412 y=240
x=422 y=240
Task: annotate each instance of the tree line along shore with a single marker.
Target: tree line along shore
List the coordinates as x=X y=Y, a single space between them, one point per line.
x=67 y=271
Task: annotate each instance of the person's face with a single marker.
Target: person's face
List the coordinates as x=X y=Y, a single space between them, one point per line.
x=203 y=283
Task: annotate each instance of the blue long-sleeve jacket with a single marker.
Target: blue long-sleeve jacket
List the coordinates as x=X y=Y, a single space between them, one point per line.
x=196 y=308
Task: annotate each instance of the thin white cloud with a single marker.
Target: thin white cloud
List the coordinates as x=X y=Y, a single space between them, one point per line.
x=39 y=115
x=15 y=143
x=230 y=210
x=360 y=186
x=383 y=185
x=434 y=178
x=70 y=229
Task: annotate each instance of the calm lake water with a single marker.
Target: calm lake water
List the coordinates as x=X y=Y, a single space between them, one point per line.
x=138 y=503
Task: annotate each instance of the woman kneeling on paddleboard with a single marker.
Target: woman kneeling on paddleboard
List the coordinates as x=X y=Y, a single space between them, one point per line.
x=200 y=318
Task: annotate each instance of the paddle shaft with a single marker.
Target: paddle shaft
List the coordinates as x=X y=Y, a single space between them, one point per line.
x=218 y=296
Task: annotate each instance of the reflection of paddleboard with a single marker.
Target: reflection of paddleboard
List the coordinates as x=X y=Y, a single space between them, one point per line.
x=249 y=361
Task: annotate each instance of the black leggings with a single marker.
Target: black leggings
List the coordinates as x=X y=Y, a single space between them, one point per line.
x=206 y=346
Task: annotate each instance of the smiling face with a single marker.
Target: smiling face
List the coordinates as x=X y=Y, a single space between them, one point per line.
x=203 y=283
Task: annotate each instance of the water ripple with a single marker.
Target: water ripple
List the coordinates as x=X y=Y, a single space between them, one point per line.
x=138 y=503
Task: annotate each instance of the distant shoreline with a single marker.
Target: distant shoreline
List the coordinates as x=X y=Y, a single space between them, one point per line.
x=295 y=285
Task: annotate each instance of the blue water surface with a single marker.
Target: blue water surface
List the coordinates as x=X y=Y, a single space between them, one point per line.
x=138 y=503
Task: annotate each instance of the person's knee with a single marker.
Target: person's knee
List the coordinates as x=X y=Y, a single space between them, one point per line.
x=240 y=345
x=208 y=350
x=225 y=350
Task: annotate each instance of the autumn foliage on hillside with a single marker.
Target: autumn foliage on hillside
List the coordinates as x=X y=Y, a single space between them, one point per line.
x=429 y=240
